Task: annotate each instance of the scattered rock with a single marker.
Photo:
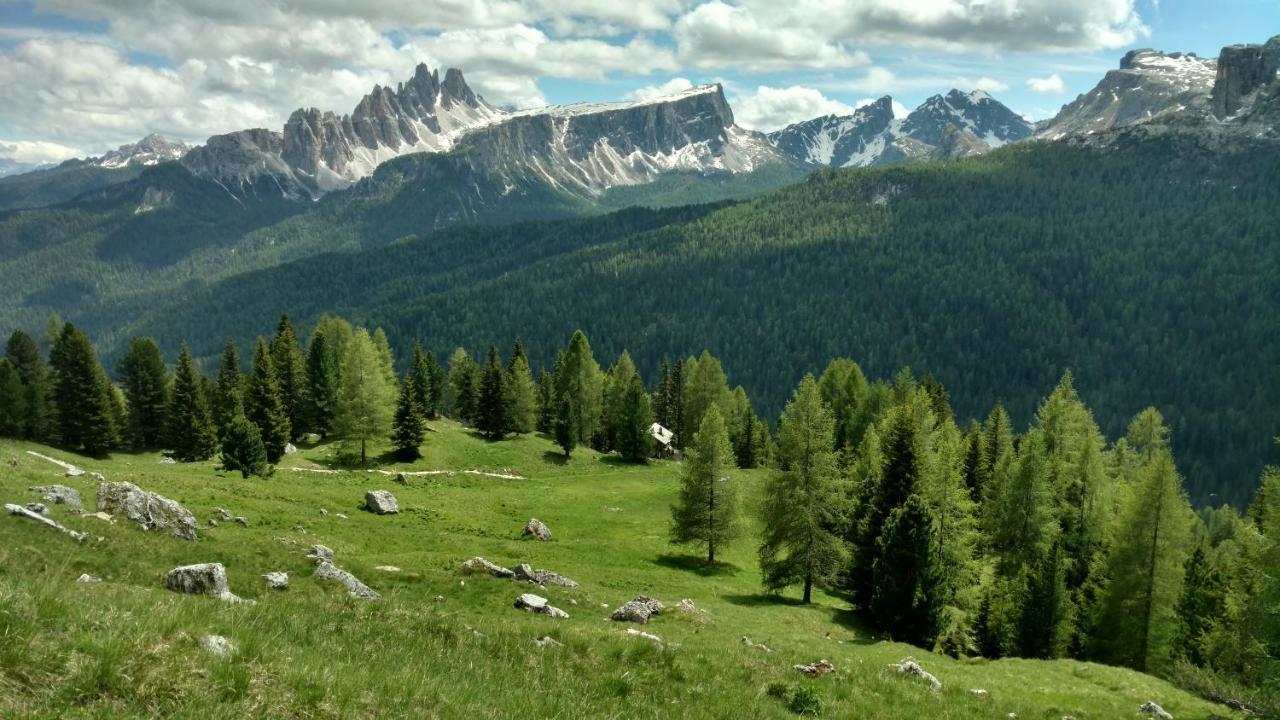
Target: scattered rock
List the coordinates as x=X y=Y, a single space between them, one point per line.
x=758 y=646
x=479 y=565
x=340 y=516
x=213 y=523
x=38 y=508
x=538 y=604
x=290 y=449
x=73 y=472
x=326 y=570
x=548 y=641
x=323 y=512
x=105 y=517
x=980 y=693
x=387 y=568
x=1154 y=710
x=87 y=578
x=320 y=552
x=911 y=667
x=686 y=605
x=400 y=478
x=647 y=636
x=381 y=502
x=541 y=577
x=536 y=530
x=97 y=476
x=58 y=494
x=166 y=460
x=19 y=510
x=201 y=579
x=217 y=645
x=816 y=669
x=149 y=510
x=638 y=610
x=277 y=580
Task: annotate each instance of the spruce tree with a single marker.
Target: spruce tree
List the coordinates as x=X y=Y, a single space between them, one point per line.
x=1203 y=602
x=36 y=410
x=563 y=418
x=84 y=398
x=675 y=405
x=228 y=394
x=242 y=448
x=901 y=467
x=321 y=396
x=291 y=375
x=420 y=374
x=13 y=401
x=906 y=599
x=146 y=387
x=264 y=403
x=631 y=417
x=662 y=398
x=802 y=501
x=408 y=428
x=546 y=402
x=438 y=383
x=707 y=509
x=191 y=434
x=491 y=405
x=522 y=393
x=365 y=399
x=464 y=386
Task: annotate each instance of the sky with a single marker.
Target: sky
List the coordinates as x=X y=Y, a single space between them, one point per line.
x=80 y=77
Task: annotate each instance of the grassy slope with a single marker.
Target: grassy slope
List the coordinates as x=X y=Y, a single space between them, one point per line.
x=128 y=647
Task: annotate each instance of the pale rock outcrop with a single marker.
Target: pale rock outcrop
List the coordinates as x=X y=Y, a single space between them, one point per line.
x=541 y=577
x=149 y=510
x=755 y=645
x=538 y=604
x=320 y=552
x=326 y=570
x=638 y=610
x=57 y=494
x=479 y=565
x=381 y=502
x=535 y=529
x=201 y=579
x=23 y=512
x=86 y=578
x=816 y=669
x=647 y=636
x=1152 y=709
x=217 y=645
x=910 y=667
x=277 y=580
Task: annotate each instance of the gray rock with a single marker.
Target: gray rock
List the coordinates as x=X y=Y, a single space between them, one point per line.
x=1241 y=70
x=38 y=508
x=387 y=568
x=23 y=512
x=1154 y=710
x=638 y=610
x=401 y=479
x=200 y=579
x=538 y=604
x=910 y=667
x=340 y=516
x=290 y=449
x=98 y=476
x=816 y=669
x=641 y=634
x=381 y=502
x=277 y=580
x=541 y=577
x=323 y=512
x=755 y=645
x=478 y=565
x=326 y=570
x=217 y=645
x=87 y=578
x=548 y=641
x=73 y=472
x=58 y=494
x=535 y=529
x=149 y=510
x=320 y=552
x=166 y=460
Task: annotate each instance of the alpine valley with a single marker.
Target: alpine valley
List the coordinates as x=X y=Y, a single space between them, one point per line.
x=898 y=240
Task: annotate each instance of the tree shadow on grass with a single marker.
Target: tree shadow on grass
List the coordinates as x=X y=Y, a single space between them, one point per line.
x=619 y=461
x=762 y=600
x=854 y=621
x=555 y=458
x=697 y=564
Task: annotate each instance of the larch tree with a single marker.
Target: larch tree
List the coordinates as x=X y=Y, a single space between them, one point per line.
x=291 y=374
x=522 y=392
x=707 y=509
x=84 y=398
x=264 y=403
x=146 y=388
x=190 y=431
x=365 y=399
x=580 y=388
x=705 y=385
x=803 y=499
x=408 y=427
x=228 y=394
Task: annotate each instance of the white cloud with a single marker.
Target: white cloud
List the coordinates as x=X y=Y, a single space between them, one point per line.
x=34 y=152
x=670 y=87
x=715 y=34
x=1051 y=85
x=771 y=108
x=984 y=83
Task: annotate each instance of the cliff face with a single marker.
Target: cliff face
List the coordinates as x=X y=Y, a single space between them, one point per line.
x=1242 y=69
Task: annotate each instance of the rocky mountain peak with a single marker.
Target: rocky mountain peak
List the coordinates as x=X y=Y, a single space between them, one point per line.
x=1242 y=69
x=150 y=150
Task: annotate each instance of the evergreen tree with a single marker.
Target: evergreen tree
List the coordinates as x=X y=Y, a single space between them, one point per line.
x=631 y=418
x=705 y=385
x=522 y=393
x=36 y=408
x=146 y=388
x=264 y=404
x=13 y=400
x=408 y=429
x=564 y=423
x=707 y=510
x=242 y=448
x=580 y=388
x=546 y=402
x=662 y=398
x=1143 y=566
x=675 y=405
x=420 y=374
x=323 y=368
x=905 y=601
x=491 y=405
x=1045 y=619
x=901 y=460
x=438 y=382
x=365 y=399
x=802 y=498
x=974 y=462
x=83 y=396
x=997 y=439
x=291 y=376
x=190 y=431
x=228 y=394
x=1203 y=602
x=464 y=381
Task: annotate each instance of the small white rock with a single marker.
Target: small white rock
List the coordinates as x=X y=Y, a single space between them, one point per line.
x=217 y=645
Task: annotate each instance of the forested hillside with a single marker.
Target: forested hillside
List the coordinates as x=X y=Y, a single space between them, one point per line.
x=1150 y=270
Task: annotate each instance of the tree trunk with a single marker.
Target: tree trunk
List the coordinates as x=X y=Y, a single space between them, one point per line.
x=711 y=524
x=808 y=587
x=362 y=453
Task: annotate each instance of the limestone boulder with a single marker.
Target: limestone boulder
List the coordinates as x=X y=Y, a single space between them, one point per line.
x=535 y=529
x=381 y=502
x=149 y=510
